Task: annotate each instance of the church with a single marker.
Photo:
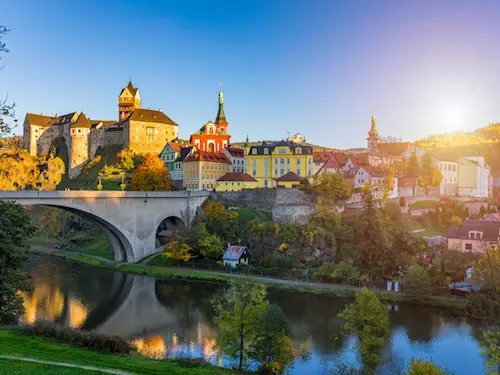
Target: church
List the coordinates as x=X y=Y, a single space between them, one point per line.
x=137 y=129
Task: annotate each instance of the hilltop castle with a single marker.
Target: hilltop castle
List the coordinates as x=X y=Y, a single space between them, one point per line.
x=139 y=130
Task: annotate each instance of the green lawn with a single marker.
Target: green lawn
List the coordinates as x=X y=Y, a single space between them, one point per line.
x=423 y=204
x=15 y=344
x=246 y=213
x=13 y=367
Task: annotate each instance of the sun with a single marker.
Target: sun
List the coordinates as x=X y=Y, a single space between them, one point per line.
x=453 y=119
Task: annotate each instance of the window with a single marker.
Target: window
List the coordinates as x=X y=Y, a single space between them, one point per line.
x=298 y=150
x=254 y=151
x=275 y=172
x=282 y=151
x=282 y=161
x=275 y=162
x=282 y=171
x=468 y=246
x=288 y=161
x=266 y=151
x=149 y=130
x=298 y=162
x=79 y=130
x=298 y=171
x=266 y=167
x=265 y=183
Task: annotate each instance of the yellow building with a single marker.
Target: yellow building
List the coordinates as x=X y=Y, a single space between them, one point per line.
x=269 y=161
x=289 y=180
x=202 y=169
x=235 y=181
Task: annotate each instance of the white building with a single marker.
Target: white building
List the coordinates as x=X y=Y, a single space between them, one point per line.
x=375 y=178
x=473 y=177
x=235 y=255
x=236 y=157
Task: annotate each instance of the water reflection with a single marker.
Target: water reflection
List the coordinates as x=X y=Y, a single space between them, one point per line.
x=174 y=319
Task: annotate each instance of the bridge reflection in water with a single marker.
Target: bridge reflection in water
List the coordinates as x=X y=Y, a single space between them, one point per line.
x=169 y=318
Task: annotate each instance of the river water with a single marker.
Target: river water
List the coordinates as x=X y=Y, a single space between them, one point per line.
x=170 y=318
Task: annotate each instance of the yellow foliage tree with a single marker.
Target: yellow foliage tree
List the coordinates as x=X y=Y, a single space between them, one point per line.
x=151 y=175
x=177 y=249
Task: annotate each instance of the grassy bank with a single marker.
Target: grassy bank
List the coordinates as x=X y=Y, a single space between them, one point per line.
x=455 y=304
x=20 y=345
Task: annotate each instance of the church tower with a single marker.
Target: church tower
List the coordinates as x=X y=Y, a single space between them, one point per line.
x=220 y=120
x=373 y=137
x=128 y=100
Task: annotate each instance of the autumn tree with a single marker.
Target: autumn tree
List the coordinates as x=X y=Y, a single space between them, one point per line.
x=209 y=245
x=237 y=318
x=422 y=367
x=330 y=188
x=219 y=220
x=430 y=175
x=125 y=160
x=177 y=249
x=490 y=345
x=413 y=169
x=16 y=229
x=368 y=319
x=151 y=175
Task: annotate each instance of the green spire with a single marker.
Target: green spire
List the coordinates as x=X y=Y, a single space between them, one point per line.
x=246 y=142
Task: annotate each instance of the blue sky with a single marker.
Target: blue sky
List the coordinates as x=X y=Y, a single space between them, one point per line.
x=314 y=67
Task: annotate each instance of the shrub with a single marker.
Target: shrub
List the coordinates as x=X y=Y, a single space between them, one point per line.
x=420 y=367
x=417 y=282
x=75 y=337
x=484 y=305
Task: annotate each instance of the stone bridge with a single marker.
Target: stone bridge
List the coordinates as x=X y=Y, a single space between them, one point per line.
x=129 y=219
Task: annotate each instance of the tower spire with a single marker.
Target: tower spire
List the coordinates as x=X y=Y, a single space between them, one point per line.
x=221 y=116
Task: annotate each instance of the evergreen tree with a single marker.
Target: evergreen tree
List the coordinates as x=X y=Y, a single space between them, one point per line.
x=16 y=228
x=413 y=169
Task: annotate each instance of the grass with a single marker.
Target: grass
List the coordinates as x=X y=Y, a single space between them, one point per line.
x=13 y=367
x=20 y=345
x=423 y=204
x=246 y=213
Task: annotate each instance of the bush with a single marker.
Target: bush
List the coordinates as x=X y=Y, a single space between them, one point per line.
x=484 y=305
x=417 y=282
x=420 y=367
x=75 y=337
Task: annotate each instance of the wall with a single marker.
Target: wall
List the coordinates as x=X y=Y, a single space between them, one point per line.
x=114 y=137
x=137 y=138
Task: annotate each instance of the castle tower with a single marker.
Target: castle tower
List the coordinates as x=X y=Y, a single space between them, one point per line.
x=128 y=101
x=372 y=139
x=79 y=147
x=220 y=120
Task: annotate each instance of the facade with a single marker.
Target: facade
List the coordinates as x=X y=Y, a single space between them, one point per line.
x=235 y=181
x=473 y=177
x=202 y=169
x=373 y=140
x=140 y=130
x=235 y=255
x=237 y=159
x=374 y=177
x=267 y=162
x=213 y=136
x=473 y=235
x=173 y=162
x=289 y=180
x=449 y=171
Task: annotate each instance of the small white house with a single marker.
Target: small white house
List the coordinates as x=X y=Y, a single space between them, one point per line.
x=235 y=255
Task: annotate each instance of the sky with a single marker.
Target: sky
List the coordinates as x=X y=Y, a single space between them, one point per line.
x=316 y=67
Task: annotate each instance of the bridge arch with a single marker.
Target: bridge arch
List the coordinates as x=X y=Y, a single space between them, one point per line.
x=167 y=227
x=122 y=248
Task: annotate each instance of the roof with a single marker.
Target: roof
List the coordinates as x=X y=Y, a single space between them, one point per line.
x=237 y=176
x=214 y=157
x=81 y=122
x=321 y=156
x=236 y=152
x=341 y=157
x=150 y=115
x=106 y=124
x=373 y=171
x=290 y=177
x=491 y=217
x=393 y=148
x=221 y=116
x=331 y=163
x=234 y=252
x=130 y=88
x=490 y=229
x=42 y=120
x=359 y=159
x=271 y=146
x=184 y=152
x=176 y=146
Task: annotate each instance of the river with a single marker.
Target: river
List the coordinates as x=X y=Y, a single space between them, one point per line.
x=172 y=318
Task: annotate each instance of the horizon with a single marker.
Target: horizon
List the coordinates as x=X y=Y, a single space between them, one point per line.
x=315 y=69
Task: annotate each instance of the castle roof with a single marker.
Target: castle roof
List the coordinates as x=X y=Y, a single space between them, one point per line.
x=41 y=120
x=81 y=122
x=236 y=152
x=131 y=88
x=150 y=115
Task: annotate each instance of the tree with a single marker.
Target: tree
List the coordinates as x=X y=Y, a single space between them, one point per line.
x=330 y=188
x=272 y=346
x=430 y=175
x=6 y=110
x=151 y=175
x=209 y=245
x=16 y=228
x=177 y=249
x=418 y=282
x=368 y=319
x=420 y=367
x=490 y=345
x=413 y=169
x=236 y=317
x=125 y=160
x=482 y=211
x=220 y=220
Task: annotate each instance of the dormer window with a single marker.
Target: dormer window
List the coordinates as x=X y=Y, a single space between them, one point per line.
x=298 y=150
x=266 y=151
x=254 y=151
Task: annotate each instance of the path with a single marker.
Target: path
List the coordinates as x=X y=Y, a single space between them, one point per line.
x=265 y=279
x=70 y=365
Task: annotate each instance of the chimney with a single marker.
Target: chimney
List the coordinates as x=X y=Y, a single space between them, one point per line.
x=41 y=113
x=160 y=110
x=57 y=115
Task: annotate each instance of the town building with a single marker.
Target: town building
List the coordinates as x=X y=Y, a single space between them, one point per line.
x=449 y=171
x=297 y=138
x=473 y=235
x=139 y=130
x=289 y=180
x=235 y=255
x=202 y=169
x=473 y=177
x=213 y=136
x=268 y=161
x=377 y=179
x=237 y=158
x=235 y=181
x=173 y=154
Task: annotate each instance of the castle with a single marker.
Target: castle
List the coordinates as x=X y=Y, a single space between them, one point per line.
x=137 y=129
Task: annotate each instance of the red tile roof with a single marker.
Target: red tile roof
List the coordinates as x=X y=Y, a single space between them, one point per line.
x=236 y=152
x=214 y=157
x=321 y=156
x=360 y=160
x=289 y=177
x=236 y=176
x=341 y=157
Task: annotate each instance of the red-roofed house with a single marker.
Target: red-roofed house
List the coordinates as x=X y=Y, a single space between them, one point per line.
x=235 y=255
x=202 y=169
x=235 y=181
x=289 y=180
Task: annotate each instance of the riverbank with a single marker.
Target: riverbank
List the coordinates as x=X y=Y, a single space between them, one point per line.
x=49 y=352
x=451 y=303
